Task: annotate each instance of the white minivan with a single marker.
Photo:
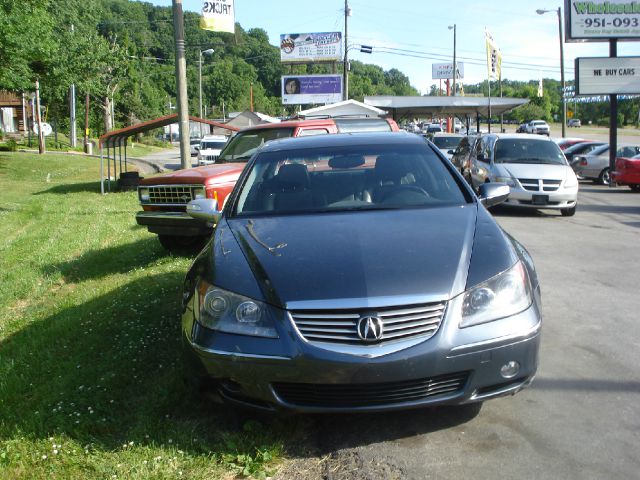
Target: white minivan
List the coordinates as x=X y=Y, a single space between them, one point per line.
x=210 y=147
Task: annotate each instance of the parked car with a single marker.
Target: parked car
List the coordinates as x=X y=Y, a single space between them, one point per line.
x=355 y=273
x=210 y=148
x=539 y=127
x=627 y=172
x=194 y=144
x=581 y=148
x=574 y=122
x=534 y=168
x=434 y=128
x=522 y=128
x=595 y=165
x=164 y=197
x=566 y=142
x=446 y=142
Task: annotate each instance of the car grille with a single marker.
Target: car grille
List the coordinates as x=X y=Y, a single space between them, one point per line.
x=171 y=194
x=369 y=394
x=341 y=326
x=209 y=158
x=536 y=185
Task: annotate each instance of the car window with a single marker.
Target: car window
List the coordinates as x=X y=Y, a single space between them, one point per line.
x=213 y=145
x=307 y=132
x=520 y=150
x=446 y=142
x=347 y=125
x=347 y=178
x=244 y=144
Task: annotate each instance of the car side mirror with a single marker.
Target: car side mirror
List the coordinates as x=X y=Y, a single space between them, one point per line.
x=204 y=209
x=196 y=148
x=491 y=194
x=450 y=152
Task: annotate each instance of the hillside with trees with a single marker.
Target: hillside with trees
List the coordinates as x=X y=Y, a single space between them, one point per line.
x=121 y=52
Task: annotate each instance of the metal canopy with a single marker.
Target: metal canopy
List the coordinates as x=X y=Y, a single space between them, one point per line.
x=113 y=141
x=415 y=107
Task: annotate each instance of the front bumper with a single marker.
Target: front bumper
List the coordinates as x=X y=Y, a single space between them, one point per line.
x=172 y=223
x=292 y=374
x=562 y=198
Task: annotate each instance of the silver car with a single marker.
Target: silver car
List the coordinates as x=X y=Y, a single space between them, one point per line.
x=359 y=273
x=595 y=165
x=533 y=166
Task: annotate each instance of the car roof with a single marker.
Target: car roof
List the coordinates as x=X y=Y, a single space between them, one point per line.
x=514 y=136
x=343 y=139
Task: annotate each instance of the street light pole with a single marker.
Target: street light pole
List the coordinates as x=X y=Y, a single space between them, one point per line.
x=345 y=66
x=455 y=67
x=208 y=51
x=564 y=105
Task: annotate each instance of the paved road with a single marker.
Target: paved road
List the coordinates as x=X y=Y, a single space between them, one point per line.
x=581 y=417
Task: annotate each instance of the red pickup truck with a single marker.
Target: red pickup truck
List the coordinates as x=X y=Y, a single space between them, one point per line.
x=164 y=197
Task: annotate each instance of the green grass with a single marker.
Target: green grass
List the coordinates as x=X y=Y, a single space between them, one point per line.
x=90 y=369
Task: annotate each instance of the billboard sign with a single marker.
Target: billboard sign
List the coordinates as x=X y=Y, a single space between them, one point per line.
x=311 y=47
x=306 y=89
x=442 y=71
x=602 y=20
x=218 y=16
x=607 y=75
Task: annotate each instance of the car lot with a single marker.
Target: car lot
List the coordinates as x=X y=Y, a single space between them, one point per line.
x=580 y=417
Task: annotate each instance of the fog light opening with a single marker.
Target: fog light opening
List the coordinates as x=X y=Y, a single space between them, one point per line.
x=510 y=370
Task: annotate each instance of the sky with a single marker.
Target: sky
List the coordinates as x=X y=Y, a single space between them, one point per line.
x=411 y=35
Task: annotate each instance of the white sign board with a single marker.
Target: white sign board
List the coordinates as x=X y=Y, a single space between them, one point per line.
x=306 y=89
x=607 y=76
x=218 y=16
x=442 y=71
x=46 y=129
x=311 y=47
x=601 y=21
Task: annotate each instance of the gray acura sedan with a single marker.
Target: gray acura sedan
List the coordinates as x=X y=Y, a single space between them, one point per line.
x=359 y=272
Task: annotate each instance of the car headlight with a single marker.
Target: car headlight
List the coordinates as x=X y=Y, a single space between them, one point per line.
x=501 y=296
x=143 y=193
x=571 y=181
x=199 y=193
x=508 y=180
x=229 y=312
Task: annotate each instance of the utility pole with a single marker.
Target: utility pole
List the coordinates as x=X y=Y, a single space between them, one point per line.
x=181 y=84
x=86 y=124
x=41 y=146
x=72 y=110
x=345 y=66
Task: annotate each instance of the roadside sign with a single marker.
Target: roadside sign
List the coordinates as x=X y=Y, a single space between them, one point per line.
x=305 y=89
x=442 y=71
x=310 y=47
x=607 y=75
x=599 y=21
x=46 y=129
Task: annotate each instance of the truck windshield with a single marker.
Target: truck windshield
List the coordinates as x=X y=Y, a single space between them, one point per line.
x=241 y=147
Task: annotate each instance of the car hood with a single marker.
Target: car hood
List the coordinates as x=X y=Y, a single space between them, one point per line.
x=359 y=259
x=217 y=173
x=524 y=170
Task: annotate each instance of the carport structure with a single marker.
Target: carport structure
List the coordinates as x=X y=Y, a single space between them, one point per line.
x=419 y=107
x=113 y=142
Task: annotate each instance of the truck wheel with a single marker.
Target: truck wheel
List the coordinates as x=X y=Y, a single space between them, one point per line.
x=568 y=212
x=635 y=187
x=177 y=242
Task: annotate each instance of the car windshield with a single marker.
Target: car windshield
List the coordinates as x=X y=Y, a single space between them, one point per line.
x=520 y=150
x=244 y=144
x=446 y=142
x=213 y=145
x=347 y=178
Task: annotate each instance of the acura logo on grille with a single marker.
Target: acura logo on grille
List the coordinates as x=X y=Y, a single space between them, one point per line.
x=370 y=328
